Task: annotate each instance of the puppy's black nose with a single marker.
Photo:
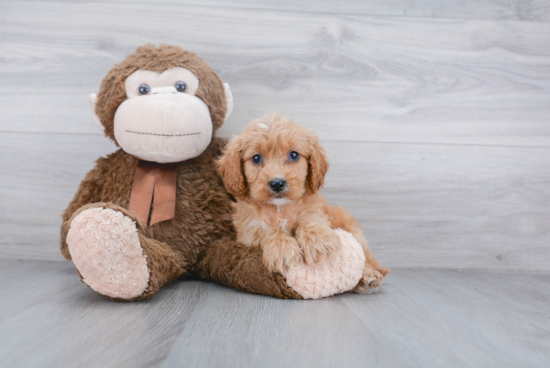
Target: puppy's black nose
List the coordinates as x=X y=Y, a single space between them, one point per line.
x=277 y=185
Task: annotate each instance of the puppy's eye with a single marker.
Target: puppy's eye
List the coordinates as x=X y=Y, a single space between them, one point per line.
x=180 y=86
x=293 y=156
x=144 y=89
x=257 y=159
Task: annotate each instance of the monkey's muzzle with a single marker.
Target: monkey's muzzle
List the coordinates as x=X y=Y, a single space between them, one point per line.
x=165 y=126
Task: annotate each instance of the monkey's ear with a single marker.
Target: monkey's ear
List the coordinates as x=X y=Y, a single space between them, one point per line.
x=92 y=98
x=230 y=167
x=228 y=100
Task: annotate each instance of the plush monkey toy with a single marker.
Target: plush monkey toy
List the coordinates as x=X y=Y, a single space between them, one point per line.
x=156 y=209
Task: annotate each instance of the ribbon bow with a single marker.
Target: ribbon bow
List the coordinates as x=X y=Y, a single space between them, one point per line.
x=154 y=184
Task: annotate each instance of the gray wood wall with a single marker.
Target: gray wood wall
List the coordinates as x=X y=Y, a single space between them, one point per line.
x=435 y=114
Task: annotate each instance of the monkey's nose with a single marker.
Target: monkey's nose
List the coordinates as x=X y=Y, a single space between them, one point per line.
x=168 y=89
x=277 y=185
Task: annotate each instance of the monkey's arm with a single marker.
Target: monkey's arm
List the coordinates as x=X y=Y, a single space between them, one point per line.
x=235 y=265
x=89 y=191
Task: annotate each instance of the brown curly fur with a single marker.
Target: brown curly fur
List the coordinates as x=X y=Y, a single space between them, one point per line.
x=200 y=240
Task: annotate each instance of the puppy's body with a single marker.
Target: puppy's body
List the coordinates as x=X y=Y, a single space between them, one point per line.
x=275 y=169
x=287 y=232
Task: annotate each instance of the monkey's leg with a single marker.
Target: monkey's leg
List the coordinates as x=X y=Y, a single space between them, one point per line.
x=233 y=264
x=373 y=274
x=114 y=259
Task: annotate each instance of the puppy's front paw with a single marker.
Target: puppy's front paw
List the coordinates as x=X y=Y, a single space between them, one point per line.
x=281 y=253
x=370 y=282
x=318 y=244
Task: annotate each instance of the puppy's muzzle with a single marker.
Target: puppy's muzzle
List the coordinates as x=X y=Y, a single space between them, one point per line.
x=277 y=185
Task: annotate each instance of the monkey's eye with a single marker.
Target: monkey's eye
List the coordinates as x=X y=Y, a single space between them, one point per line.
x=257 y=159
x=180 y=86
x=144 y=89
x=293 y=156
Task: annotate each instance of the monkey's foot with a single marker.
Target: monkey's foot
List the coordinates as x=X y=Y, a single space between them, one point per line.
x=107 y=253
x=339 y=275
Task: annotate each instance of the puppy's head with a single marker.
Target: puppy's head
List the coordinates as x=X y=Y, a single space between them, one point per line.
x=273 y=161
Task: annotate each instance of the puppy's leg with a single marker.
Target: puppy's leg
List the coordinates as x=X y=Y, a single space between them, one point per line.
x=280 y=250
x=373 y=275
x=319 y=242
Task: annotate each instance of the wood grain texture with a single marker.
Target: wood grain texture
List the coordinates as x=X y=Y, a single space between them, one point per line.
x=352 y=77
x=420 y=205
x=420 y=318
x=437 y=128
x=527 y=10
x=48 y=318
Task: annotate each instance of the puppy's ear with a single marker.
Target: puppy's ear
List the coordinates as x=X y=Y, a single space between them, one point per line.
x=317 y=165
x=230 y=167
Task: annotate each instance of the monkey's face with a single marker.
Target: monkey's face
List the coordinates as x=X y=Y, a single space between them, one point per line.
x=162 y=120
x=162 y=104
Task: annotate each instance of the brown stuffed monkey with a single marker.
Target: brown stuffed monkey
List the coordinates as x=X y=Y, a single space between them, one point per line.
x=156 y=209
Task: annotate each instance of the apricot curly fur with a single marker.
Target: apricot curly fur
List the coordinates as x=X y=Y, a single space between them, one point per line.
x=296 y=223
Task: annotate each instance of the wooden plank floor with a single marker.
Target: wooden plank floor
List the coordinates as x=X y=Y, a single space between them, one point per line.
x=421 y=318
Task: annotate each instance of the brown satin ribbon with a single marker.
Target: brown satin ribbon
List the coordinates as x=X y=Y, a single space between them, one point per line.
x=154 y=182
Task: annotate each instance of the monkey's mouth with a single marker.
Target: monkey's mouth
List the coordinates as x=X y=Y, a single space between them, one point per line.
x=163 y=135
